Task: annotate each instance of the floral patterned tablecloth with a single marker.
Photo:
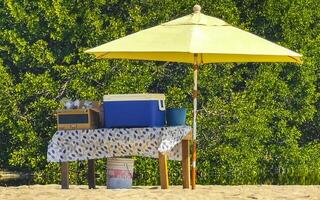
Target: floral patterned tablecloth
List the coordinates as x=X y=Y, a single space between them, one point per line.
x=73 y=145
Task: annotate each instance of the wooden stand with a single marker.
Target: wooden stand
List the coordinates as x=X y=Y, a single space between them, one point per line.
x=72 y=119
x=163 y=165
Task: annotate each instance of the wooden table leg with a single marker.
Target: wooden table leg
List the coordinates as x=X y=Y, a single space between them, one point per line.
x=185 y=164
x=163 y=164
x=91 y=174
x=64 y=175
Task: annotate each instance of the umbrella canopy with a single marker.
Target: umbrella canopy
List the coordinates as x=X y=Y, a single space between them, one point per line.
x=196 y=39
x=214 y=40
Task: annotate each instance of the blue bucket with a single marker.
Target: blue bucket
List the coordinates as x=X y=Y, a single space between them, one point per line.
x=176 y=116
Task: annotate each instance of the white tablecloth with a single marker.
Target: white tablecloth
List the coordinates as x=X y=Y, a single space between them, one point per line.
x=73 y=145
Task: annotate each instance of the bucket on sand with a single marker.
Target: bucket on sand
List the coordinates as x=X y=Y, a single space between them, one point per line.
x=119 y=173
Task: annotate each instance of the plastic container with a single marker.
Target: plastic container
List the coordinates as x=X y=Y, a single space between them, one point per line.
x=119 y=173
x=134 y=110
x=176 y=116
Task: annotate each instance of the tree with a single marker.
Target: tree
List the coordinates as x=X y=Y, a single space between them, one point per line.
x=257 y=123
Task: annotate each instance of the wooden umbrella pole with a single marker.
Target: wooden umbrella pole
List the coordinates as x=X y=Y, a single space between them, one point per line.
x=193 y=167
x=194 y=133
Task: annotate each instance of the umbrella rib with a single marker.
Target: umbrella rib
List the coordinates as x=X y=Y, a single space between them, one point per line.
x=298 y=61
x=195 y=24
x=102 y=55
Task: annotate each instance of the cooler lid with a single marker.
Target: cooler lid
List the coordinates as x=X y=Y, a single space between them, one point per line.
x=133 y=97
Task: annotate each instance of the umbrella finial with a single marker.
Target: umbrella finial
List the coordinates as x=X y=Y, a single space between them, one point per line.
x=196 y=8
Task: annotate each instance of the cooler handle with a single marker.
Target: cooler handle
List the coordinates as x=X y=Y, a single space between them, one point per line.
x=161 y=105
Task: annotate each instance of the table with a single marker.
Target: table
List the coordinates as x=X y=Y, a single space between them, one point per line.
x=90 y=144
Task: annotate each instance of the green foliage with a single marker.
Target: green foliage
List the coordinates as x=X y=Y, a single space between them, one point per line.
x=6 y=106
x=257 y=123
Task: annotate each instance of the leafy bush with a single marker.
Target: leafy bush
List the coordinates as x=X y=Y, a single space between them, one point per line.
x=257 y=123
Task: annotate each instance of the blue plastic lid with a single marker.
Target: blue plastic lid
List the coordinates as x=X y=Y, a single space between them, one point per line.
x=133 y=97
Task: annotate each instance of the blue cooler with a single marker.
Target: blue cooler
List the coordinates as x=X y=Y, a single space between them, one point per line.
x=134 y=110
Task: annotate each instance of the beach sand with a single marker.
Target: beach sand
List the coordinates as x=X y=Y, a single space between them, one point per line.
x=53 y=192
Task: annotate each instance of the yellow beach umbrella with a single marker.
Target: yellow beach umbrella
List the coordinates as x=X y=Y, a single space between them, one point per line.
x=196 y=39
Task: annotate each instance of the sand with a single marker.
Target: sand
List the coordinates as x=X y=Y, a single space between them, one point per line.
x=53 y=192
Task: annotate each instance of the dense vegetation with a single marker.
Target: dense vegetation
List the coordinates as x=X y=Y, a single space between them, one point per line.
x=258 y=123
